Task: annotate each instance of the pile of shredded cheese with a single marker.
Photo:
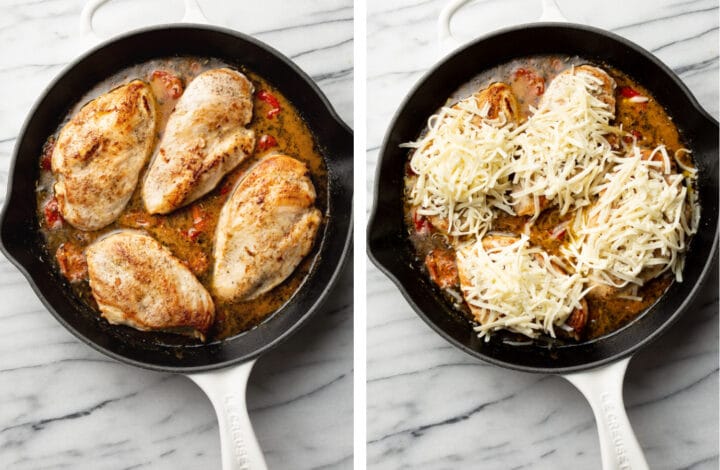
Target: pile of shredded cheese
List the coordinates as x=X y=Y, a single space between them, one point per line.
x=563 y=150
x=639 y=223
x=632 y=217
x=516 y=288
x=463 y=164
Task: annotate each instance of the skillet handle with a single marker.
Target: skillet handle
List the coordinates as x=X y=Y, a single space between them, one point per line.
x=551 y=12
x=448 y=42
x=193 y=14
x=602 y=388
x=226 y=389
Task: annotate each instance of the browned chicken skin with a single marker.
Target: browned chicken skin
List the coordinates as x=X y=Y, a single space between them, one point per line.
x=501 y=101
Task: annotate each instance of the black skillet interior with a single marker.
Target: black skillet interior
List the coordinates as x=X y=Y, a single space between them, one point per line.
x=21 y=241
x=392 y=253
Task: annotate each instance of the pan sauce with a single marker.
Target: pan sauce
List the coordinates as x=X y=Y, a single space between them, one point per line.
x=650 y=124
x=175 y=230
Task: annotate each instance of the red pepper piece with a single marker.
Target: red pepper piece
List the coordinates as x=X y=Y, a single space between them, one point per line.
x=46 y=159
x=266 y=142
x=192 y=234
x=638 y=136
x=534 y=82
x=199 y=222
x=270 y=99
x=53 y=218
x=422 y=224
x=172 y=84
x=199 y=217
x=627 y=92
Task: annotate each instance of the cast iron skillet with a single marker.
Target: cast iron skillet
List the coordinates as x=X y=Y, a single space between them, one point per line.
x=392 y=252
x=22 y=243
x=390 y=249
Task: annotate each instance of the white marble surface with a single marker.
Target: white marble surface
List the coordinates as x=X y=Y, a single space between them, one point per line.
x=431 y=406
x=63 y=405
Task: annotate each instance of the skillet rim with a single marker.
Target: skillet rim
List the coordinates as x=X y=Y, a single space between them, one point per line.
x=343 y=130
x=389 y=269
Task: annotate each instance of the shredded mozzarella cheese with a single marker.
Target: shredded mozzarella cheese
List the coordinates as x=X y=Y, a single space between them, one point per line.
x=633 y=216
x=563 y=149
x=517 y=288
x=463 y=163
x=639 y=225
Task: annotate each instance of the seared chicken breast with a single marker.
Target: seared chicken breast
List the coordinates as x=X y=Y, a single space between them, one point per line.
x=205 y=138
x=563 y=148
x=138 y=282
x=464 y=271
x=500 y=101
x=494 y=107
x=267 y=226
x=605 y=92
x=467 y=271
x=99 y=155
x=637 y=228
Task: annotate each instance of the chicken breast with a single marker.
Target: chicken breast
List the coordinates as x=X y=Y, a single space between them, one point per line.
x=605 y=92
x=267 y=226
x=576 y=319
x=502 y=109
x=205 y=138
x=442 y=268
x=139 y=283
x=99 y=155
x=464 y=271
x=500 y=101
x=637 y=228
x=563 y=148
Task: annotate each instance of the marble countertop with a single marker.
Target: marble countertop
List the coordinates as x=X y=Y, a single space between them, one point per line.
x=63 y=405
x=431 y=406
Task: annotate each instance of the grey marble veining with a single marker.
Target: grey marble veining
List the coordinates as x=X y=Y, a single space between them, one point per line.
x=431 y=406
x=63 y=405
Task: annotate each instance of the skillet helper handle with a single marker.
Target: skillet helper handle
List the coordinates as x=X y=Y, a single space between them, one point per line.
x=226 y=389
x=602 y=388
x=193 y=14
x=448 y=42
